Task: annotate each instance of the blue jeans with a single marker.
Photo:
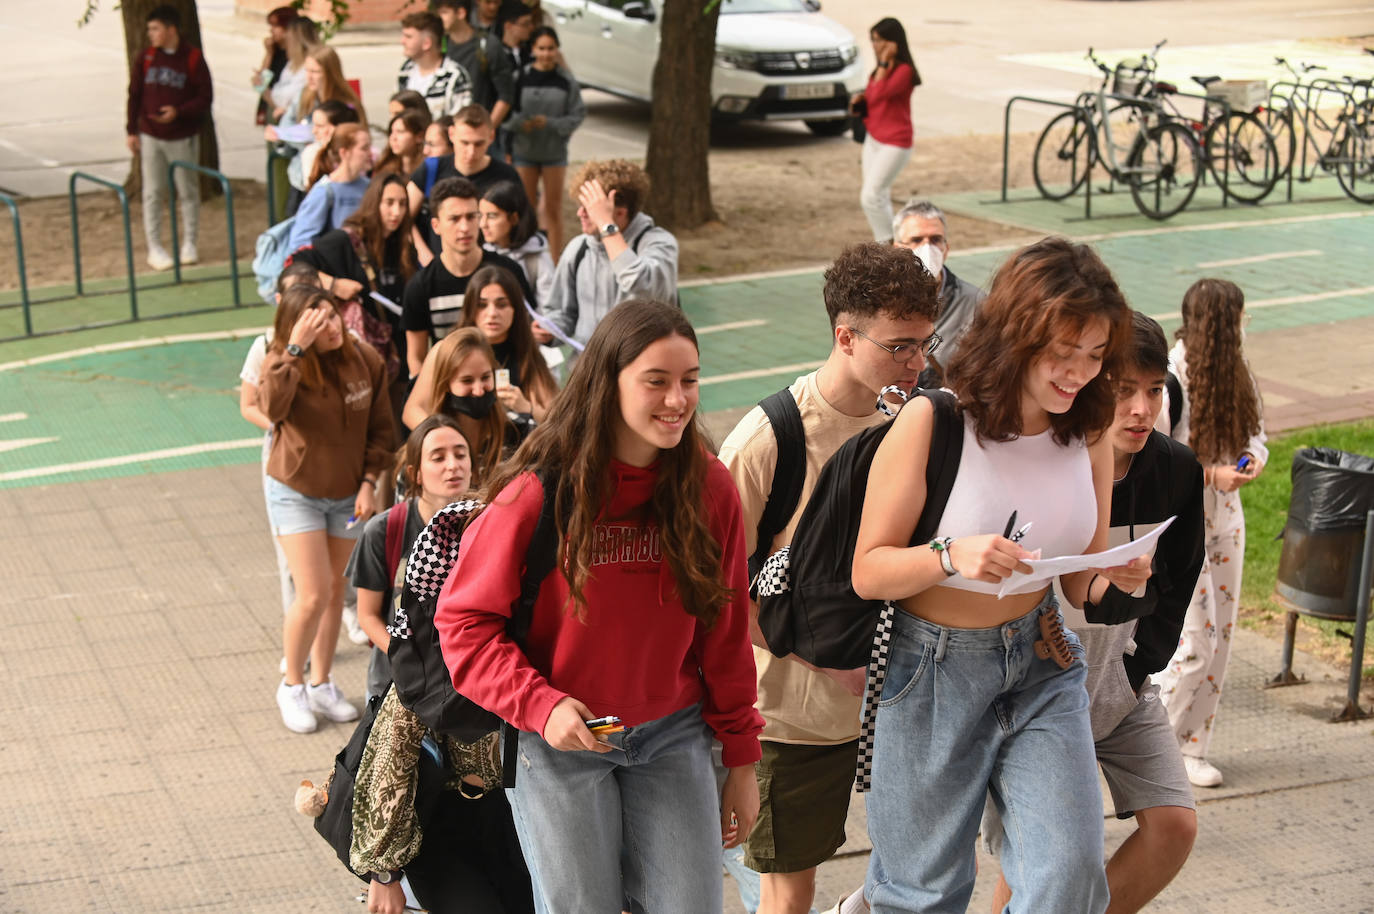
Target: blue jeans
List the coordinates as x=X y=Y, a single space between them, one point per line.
x=641 y=821
x=965 y=713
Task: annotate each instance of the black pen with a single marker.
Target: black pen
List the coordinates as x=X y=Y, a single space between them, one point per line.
x=1011 y=525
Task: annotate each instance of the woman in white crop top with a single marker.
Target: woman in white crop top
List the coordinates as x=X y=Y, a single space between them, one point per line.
x=967 y=707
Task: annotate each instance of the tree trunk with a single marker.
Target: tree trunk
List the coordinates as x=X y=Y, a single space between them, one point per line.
x=135 y=14
x=680 y=125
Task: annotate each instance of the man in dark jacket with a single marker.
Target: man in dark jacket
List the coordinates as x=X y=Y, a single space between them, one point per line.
x=1128 y=637
x=169 y=98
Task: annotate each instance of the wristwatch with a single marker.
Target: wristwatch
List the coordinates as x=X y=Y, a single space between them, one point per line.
x=941 y=548
x=610 y=228
x=293 y=349
x=387 y=877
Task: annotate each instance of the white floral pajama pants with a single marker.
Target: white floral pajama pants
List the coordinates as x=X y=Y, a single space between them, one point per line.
x=1190 y=686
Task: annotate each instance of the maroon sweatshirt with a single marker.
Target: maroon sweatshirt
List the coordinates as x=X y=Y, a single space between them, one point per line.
x=180 y=79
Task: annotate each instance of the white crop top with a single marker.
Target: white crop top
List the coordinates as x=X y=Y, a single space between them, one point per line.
x=1045 y=483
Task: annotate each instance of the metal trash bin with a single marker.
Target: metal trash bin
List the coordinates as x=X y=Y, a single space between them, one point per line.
x=1327 y=563
x=1319 y=567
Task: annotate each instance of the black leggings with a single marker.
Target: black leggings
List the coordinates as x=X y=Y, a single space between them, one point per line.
x=470 y=861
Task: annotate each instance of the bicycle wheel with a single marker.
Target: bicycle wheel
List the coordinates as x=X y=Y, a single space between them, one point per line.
x=1243 y=146
x=1355 y=165
x=1063 y=155
x=1164 y=169
x=1279 y=123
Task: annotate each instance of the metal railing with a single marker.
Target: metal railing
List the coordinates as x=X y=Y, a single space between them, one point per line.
x=228 y=214
x=128 y=234
x=19 y=255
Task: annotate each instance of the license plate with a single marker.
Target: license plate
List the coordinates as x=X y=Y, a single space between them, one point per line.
x=808 y=90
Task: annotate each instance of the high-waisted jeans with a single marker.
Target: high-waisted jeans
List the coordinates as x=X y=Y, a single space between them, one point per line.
x=965 y=713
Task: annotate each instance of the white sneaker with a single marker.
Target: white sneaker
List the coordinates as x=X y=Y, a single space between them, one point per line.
x=189 y=254
x=326 y=699
x=1201 y=772
x=158 y=258
x=355 y=631
x=295 y=708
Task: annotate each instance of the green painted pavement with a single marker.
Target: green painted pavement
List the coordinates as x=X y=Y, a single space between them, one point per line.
x=110 y=405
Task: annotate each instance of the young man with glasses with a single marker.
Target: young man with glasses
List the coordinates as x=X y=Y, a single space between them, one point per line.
x=882 y=306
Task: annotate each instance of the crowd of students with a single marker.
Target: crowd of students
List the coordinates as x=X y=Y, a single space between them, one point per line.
x=424 y=307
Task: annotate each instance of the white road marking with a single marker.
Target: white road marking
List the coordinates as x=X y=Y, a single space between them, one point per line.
x=13 y=417
x=756 y=373
x=732 y=325
x=1284 y=300
x=17 y=443
x=1260 y=258
x=125 y=460
x=122 y=345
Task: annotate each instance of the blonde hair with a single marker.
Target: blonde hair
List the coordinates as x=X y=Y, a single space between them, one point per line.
x=333 y=87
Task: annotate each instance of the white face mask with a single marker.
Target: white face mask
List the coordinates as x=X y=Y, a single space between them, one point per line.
x=932 y=257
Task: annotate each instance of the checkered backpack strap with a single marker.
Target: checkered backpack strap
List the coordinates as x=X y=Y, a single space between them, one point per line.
x=431 y=558
x=873 y=691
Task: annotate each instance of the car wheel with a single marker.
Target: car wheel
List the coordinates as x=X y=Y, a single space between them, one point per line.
x=833 y=127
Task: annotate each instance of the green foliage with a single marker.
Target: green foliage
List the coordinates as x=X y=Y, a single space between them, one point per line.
x=338 y=15
x=1266 y=510
x=92 y=7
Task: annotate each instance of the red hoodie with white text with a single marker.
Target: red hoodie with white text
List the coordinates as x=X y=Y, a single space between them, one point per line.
x=636 y=653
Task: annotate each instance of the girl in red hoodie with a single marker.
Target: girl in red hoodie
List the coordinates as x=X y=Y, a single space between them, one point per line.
x=645 y=618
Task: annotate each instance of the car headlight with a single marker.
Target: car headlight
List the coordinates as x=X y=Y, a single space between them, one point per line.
x=732 y=59
x=849 y=53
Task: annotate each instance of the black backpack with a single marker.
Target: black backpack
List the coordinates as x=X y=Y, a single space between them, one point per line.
x=335 y=824
x=806 y=599
x=418 y=671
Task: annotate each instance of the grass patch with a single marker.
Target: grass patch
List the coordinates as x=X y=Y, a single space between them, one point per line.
x=1266 y=510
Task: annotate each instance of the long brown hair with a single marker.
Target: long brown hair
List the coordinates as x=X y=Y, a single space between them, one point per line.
x=1043 y=293
x=333 y=85
x=1223 y=405
x=576 y=444
x=366 y=221
x=451 y=352
x=416 y=123
x=535 y=376
x=316 y=368
x=328 y=158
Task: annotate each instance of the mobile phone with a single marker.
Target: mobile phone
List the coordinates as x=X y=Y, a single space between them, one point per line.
x=503 y=377
x=1243 y=462
x=604 y=725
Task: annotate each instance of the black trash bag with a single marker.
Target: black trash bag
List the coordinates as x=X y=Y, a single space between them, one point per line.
x=1332 y=490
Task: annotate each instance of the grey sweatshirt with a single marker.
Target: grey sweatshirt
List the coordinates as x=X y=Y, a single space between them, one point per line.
x=554 y=94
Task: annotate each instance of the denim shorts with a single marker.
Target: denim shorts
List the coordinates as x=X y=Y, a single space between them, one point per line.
x=526 y=163
x=289 y=512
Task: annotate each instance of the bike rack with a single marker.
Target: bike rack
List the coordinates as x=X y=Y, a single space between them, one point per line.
x=128 y=235
x=229 y=216
x=1006 y=129
x=1315 y=88
x=19 y=254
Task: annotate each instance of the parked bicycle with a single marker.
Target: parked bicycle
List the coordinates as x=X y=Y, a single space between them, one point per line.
x=1300 y=115
x=1162 y=160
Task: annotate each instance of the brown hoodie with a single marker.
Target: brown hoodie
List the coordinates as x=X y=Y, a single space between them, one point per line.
x=325 y=440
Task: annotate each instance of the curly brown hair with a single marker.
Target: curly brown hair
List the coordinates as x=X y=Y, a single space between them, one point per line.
x=870 y=279
x=1043 y=293
x=576 y=442
x=1223 y=402
x=628 y=180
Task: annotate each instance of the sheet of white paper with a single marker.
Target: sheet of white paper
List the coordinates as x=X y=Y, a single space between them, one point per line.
x=295 y=133
x=1044 y=569
x=386 y=303
x=553 y=356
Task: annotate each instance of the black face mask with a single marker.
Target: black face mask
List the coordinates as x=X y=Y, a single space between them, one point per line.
x=476 y=407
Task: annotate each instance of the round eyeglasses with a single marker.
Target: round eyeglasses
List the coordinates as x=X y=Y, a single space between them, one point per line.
x=906 y=351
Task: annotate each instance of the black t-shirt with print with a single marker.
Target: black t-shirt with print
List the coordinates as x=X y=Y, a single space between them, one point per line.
x=495 y=172
x=433 y=299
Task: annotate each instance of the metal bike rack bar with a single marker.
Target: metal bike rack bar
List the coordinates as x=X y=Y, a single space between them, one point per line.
x=229 y=216
x=1006 y=129
x=19 y=254
x=1352 y=709
x=128 y=235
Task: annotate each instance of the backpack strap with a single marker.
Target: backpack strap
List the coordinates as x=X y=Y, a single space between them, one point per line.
x=1175 y=388
x=789 y=473
x=541 y=557
x=942 y=464
x=396 y=517
x=431 y=172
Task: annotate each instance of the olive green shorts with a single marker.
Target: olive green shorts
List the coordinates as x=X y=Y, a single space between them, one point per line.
x=804 y=796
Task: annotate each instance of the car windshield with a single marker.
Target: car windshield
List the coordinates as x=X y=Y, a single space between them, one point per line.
x=762 y=6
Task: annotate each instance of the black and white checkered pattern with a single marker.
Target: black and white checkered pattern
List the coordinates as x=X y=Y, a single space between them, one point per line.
x=775 y=577
x=873 y=691
x=434 y=552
